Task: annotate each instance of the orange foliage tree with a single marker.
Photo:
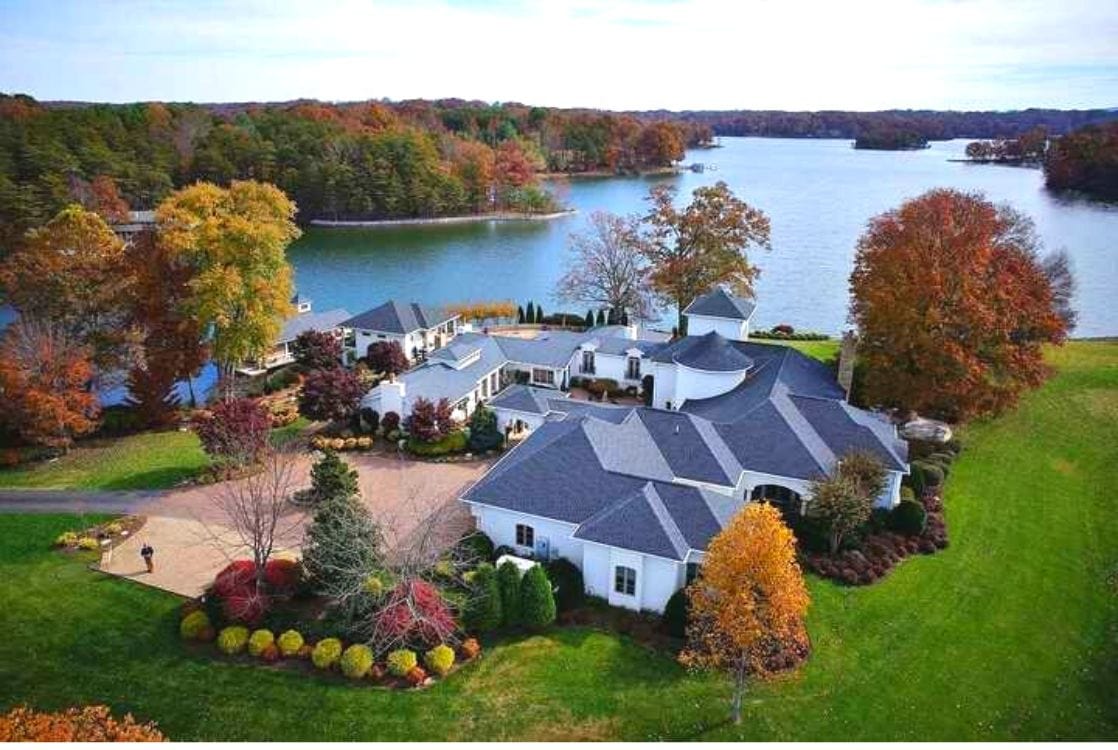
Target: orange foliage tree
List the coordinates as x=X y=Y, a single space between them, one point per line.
x=44 y=384
x=953 y=305
x=86 y=724
x=748 y=604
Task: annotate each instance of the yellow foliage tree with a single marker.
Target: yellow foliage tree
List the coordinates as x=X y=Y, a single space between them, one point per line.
x=234 y=239
x=748 y=604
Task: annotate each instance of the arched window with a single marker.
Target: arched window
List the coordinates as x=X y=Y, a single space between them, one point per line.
x=787 y=500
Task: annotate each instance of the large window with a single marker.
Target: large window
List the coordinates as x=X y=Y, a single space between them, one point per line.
x=625 y=580
x=588 y=363
x=540 y=375
x=692 y=572
x=525 y=536
x=493 y=382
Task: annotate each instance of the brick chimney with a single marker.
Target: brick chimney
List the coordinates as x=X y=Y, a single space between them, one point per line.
x=847 y=354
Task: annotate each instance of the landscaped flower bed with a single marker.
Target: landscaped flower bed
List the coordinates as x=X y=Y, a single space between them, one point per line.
x=103 y=536
x=355 y=662
x=880 y=552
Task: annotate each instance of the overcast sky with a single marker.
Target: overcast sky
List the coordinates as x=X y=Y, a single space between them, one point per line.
x=619 y=54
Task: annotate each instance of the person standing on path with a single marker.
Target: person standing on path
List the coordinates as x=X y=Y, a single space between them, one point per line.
x=147 y=552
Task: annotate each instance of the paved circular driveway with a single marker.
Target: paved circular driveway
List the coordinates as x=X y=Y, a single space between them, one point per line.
x=415 y=504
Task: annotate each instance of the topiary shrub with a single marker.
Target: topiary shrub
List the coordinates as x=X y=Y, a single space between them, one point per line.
x=356 y=661
x=566 y=580
x=908 y=518
x=482 y=612
x=260 y=640
x=416 y=677
x=537 y=602
x=508 y=584
x=194 y=625
x=439 y=659
x=233 y=639
x=326 y=653
x=401 y=661
x=289 y=643
x=674 y=619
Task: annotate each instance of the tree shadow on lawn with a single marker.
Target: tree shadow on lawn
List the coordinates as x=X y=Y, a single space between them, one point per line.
x=163 y=478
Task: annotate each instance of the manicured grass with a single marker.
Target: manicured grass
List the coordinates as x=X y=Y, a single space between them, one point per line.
x=1010 y=633
x=824 y=350
x=148 y=460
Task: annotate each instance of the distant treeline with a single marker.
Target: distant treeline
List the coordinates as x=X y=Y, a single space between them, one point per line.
x=928 y=125
x=355 y=161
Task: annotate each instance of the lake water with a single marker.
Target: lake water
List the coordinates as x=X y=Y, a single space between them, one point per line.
x=817 y=193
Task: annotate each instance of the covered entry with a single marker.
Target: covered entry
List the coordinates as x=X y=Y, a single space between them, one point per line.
x=789 y=502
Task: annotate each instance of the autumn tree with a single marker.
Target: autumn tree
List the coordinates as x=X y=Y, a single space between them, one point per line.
x=429 y=420
x=106 y=200
x=317 y=350
x=234 y=241
x=234 y=432
x=172 y=343
x=44 y=384
x=844 y=500
x=330 y=395
x=84 y=724
x=73 y=273
x=660 y=144
x=747 y=605
x=704 y=244
x=387 y=357
x=953 y=306
x=606 y=266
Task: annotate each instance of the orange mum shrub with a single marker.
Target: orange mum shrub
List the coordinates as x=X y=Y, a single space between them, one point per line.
x=86 y=724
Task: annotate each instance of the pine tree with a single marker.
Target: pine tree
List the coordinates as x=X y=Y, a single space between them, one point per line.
x=520 y=314
x=483 y=610
x=332 y=477
x=341 y=551
x=508 y=583
x=601 y=318
x=589 y=322
x=539 y=313
x=537 y=602
x=530 y=313
x=611 y=317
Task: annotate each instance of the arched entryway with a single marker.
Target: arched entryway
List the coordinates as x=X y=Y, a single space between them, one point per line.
x=787 y=500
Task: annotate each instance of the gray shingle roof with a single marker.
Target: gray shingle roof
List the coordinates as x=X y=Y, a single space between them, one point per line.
x=311 y=321
x=719 y=303
x=399 y=318
x=711 y=352
x=638 y=522
x=441 y=377
x=525 y=398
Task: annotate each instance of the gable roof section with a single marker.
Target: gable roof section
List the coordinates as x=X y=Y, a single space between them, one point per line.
x=627 y=448
x=638 y=522
x=842 y=433
x=719 y=303
x=399 y=318
x=688 y=450
x=525 y=398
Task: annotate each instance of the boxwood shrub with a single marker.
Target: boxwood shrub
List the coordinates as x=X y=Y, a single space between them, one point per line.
x=289 y=643
x=439 y=659
x=233 y=639
x=909 y=518
x=401 y=661
x=356 y=661
x=260 y=640
x=566 y=578
x=326 y=653
x=194 y=625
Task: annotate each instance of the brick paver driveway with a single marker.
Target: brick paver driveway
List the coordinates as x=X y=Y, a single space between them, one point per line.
x=415 y=504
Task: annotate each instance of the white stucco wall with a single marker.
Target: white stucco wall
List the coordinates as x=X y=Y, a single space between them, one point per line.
x=500 y=526
x=505 y=417
x=691 y=384
x=663 y=386
x=612 y=366
x=736 y=330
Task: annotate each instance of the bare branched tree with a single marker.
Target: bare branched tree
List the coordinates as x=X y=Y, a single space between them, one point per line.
x=255 y=512
x=606 y=267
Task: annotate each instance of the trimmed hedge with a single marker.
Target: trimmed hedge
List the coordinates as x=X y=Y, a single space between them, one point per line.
x=454 y=442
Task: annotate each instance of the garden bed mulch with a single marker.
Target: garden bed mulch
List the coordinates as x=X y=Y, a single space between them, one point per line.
x=880 y=552
x=101 y=537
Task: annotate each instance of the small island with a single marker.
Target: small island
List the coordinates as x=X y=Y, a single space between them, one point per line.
x=1027 y=149
x=890 y=139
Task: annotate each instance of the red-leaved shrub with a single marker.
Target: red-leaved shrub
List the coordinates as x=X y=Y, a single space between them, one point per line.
x=416 y=614
x=281 y=575
x=245 y=606
x=235 y=578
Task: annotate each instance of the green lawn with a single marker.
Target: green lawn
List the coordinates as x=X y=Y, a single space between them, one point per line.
x=1010 y=633
x=148 y=460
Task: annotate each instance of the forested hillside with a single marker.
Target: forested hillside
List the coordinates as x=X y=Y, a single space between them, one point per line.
x=366 y=160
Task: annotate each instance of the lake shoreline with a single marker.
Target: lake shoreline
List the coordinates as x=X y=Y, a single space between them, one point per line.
x=436 y=220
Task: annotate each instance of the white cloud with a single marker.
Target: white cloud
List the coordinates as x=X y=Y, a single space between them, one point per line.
x=623 y=54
